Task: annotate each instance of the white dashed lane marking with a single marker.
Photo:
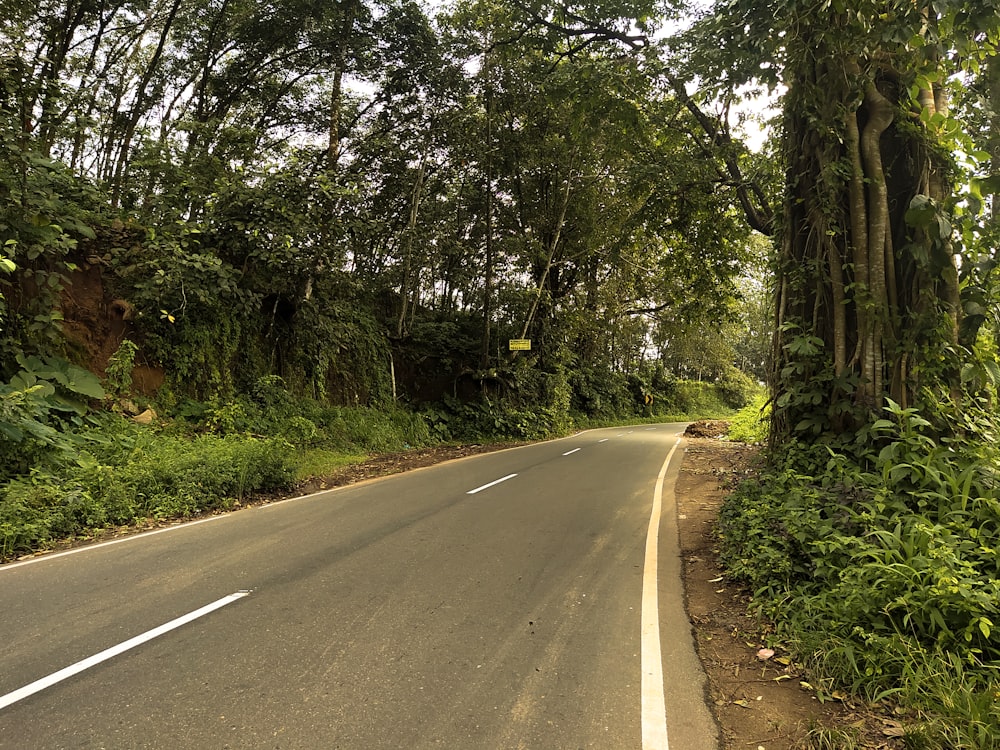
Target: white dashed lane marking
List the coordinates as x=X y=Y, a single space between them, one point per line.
x=491 y=484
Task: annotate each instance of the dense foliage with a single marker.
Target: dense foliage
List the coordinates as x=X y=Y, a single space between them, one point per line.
x=870 y=536
x=359 y=200
x=878 y=564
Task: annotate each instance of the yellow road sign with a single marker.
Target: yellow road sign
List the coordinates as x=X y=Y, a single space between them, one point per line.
x=520 y=345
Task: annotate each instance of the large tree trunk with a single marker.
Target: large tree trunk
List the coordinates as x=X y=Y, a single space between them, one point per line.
x=880 y=115
x=860 y=308
x=408 y=259
x=488 y=269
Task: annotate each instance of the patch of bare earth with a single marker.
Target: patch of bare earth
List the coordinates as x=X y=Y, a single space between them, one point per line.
x=761 y=698
x=757 y=702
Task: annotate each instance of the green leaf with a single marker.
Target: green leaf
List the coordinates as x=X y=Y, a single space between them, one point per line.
x=83 y=382
x=985 y=627
x=988 y=185
x=13 y=433
x=993 y=369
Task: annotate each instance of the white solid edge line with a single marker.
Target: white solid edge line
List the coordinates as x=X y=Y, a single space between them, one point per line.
x=567 y=453
x=80 y=666
x=654 y=710
x=491 y=484
x=122 y=540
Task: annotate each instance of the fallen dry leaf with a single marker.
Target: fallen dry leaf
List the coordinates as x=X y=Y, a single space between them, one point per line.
x=892 y=728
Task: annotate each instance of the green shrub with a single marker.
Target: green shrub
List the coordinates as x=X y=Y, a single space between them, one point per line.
x=736 y=389
x=601 y=394
x=39 y=407
x=138 y=476
x=878 y=564
x=233 y=417
x=118 y=373
x=751 y=423
x=299 y=431
x=695 y=399
x=361 y=429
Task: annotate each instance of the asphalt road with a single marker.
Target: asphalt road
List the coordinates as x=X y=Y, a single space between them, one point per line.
x=408 y=612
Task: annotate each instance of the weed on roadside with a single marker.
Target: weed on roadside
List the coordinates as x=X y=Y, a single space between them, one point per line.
x=880 y=571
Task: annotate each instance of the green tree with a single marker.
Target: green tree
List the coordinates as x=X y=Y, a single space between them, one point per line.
x=869 y=298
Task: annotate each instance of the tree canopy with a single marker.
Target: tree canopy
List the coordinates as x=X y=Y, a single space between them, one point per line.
x=323 y=197
x=363 y=173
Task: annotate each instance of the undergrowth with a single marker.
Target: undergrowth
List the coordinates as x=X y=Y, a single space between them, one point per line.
x=750 y=424
x=877 y=562
x=135 y=476
x=97 y=469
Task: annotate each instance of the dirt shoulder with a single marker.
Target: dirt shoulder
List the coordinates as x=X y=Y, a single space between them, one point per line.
x=757 y=696
x=762 y=700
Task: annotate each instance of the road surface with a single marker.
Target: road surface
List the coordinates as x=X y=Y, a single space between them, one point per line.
x=520 y=599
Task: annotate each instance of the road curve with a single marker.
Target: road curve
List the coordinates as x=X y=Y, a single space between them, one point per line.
x=491 y=602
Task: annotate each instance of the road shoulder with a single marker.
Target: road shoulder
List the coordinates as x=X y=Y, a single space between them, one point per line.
x=758 y=702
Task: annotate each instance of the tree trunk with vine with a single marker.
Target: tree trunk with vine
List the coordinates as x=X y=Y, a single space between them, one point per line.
x=868 y=298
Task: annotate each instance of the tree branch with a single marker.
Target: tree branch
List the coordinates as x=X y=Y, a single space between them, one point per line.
x=751 y=196
x=596 y=32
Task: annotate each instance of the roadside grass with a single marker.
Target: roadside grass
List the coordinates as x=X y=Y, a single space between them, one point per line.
x=875 y=564
x=834 y=738
x=116 y=473
x=319 y=462
x=750 y=424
